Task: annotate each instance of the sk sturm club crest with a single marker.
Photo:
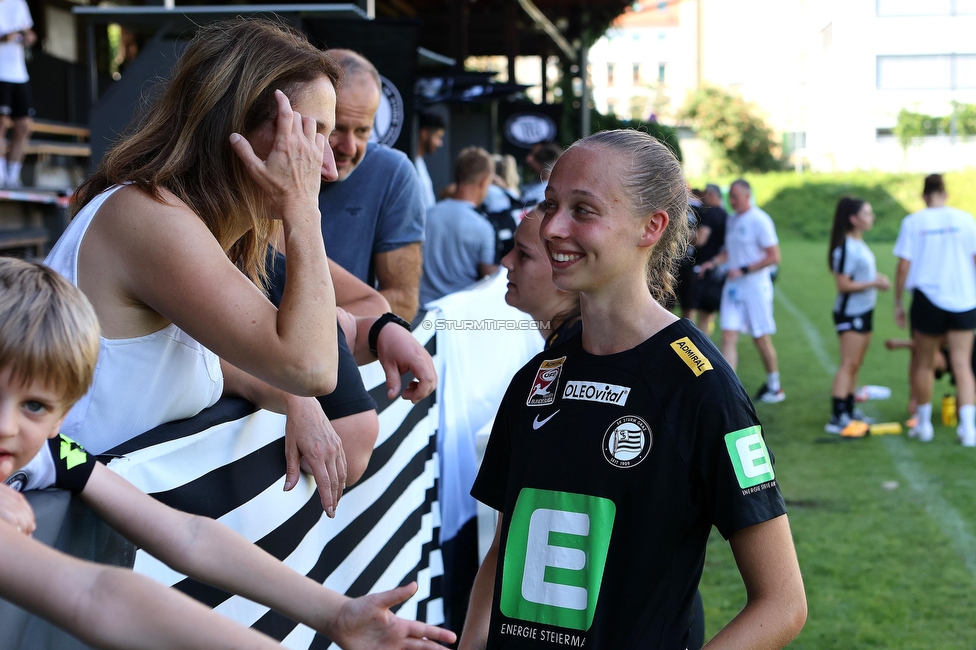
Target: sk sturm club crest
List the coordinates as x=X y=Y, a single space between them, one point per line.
x=546 y=381
x=627 y=442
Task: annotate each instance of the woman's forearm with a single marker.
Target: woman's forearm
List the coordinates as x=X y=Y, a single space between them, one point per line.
x=307 y=313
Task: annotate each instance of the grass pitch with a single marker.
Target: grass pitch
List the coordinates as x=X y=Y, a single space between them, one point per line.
x=885 y=527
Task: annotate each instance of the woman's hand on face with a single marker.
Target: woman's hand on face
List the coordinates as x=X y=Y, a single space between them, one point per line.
x=15 y=510
x=292 y=173
x=312 y=445
x=399 y=353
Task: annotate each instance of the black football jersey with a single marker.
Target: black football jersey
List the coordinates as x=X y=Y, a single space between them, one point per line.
x=610 y=472
x=61 y=463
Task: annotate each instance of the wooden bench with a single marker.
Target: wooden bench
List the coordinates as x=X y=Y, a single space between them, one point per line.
x=67 y=140
x=59 y=128
x=29 y=241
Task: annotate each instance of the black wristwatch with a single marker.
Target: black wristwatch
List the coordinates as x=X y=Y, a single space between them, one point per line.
x=379 y=323
x=745 y=270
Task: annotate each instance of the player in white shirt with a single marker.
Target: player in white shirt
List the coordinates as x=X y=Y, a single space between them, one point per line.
x=16 y=106
x=751 y=252
x=936 y=251
x=858 y=282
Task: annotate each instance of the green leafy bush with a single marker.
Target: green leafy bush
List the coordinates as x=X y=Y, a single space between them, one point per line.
x=912 y=126
x=739 y=138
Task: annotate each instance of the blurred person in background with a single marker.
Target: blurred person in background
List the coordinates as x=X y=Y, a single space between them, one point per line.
x=936 y=251
x=858 y=282
x=430 y=138
x=460 y=248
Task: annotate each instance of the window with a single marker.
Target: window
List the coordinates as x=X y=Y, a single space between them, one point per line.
x=611 y=107
x=637 y=74
x=609 y=74
x=661 y=69
x=892 y=8
x=927 y=72
x=827 y=36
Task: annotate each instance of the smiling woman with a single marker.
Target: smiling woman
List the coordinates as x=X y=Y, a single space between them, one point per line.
x=648 y=439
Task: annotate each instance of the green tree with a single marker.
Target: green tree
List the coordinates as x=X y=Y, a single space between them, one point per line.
x=666 y=134
x=912 y=125
x=739 y=138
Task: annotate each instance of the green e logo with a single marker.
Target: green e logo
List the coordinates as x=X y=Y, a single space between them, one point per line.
x=749 y=455
x=555 y=556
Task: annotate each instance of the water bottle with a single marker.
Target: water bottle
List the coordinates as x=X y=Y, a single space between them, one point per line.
x=949 y=416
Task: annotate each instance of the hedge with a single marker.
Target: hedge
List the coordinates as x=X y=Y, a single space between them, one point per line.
x=802 y=205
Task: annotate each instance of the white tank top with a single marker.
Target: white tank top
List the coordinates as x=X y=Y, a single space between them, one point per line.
x=140 y=382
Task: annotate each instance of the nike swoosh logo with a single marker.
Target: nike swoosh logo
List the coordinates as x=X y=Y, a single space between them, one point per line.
x=537 y=423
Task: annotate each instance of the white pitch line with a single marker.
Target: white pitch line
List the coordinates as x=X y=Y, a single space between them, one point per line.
x=953 y=525
x=810 y=332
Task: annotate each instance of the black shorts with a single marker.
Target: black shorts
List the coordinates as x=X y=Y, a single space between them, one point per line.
x=689 y=285
x=929 y=319
x=15 y=100
x=861 y=323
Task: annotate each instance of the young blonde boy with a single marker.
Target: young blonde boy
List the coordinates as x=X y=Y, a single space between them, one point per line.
x=49 y=339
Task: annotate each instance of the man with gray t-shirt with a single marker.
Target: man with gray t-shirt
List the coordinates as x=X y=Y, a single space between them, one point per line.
x=373 y=215
x=460 y=246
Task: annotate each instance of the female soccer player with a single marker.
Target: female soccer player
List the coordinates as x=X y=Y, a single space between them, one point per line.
x=858 y=282
x=614 y=452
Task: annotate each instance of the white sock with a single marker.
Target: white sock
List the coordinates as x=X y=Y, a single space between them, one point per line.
x=13 y=172
x=924 y=414
x=967 y=417
x=772 y=381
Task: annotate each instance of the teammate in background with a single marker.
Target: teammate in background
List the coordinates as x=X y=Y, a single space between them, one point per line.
x=49 y=344
x=16 y=107
x=858 y=282
x=936 y=251
x=632 y=440
x=689 y=280
x=751 y=251
x=709 y=241
x=530 y=287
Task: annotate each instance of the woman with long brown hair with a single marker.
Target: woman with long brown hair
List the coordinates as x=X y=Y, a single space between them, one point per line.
x=169 y=238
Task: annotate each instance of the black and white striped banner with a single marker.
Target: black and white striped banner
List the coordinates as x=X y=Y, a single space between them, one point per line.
x=228 y=463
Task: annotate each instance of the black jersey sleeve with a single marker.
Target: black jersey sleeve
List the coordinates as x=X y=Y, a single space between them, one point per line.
x=73 y=465
x=492 y=480
x=734 y=461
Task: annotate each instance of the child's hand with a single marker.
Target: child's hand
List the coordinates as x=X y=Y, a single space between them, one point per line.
x=367 y=623
x=15 y=510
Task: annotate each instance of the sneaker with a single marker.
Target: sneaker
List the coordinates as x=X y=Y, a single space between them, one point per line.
x=768 y=396
x=924 y=432
x=967 y=438
x=837 y=423
x=858 y=415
